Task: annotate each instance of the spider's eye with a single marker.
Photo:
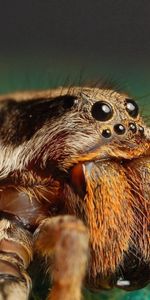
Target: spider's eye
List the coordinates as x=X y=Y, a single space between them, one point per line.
x=102 y=111
x=69 y=101
x=132 y=108
x=106 y=133
x=119 y=129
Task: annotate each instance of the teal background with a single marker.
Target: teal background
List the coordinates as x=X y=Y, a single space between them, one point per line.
x=23 y=72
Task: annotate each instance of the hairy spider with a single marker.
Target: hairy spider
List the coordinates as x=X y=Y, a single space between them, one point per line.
x=74 y=188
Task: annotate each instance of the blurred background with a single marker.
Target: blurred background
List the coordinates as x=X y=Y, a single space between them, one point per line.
x=48 y=43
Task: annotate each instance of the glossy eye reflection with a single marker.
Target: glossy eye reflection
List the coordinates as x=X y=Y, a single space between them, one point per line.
x=119 y=129
x=132 y=108
x=102 y=111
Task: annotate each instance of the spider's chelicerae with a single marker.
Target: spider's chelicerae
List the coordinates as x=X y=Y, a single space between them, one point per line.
x=75 y=189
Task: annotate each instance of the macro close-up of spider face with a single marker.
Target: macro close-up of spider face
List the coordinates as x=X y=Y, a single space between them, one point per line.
x=74 y=189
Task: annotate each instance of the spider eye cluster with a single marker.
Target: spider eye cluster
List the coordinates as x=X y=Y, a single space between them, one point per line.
x=103 y=111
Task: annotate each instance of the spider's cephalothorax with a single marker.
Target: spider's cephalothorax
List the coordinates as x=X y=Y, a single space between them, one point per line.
x=74 y=187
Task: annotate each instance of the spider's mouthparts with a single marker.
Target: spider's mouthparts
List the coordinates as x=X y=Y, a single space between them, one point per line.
x=77 y=177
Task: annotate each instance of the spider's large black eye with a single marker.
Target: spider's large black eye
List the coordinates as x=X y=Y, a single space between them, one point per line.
x=102 y=111
x=132 y=108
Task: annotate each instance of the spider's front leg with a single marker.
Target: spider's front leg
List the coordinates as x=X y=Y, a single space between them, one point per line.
x=63 y=240
x=15 y=256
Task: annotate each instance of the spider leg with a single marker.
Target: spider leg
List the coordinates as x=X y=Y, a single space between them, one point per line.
x=15 y=256
x=63 y=240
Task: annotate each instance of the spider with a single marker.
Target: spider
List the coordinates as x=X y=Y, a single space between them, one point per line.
x=74 y=189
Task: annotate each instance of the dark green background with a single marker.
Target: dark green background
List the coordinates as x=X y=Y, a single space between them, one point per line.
x=48 y=43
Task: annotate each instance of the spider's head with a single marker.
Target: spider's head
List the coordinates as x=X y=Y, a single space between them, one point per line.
x=99 y=124
x=64 y=127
